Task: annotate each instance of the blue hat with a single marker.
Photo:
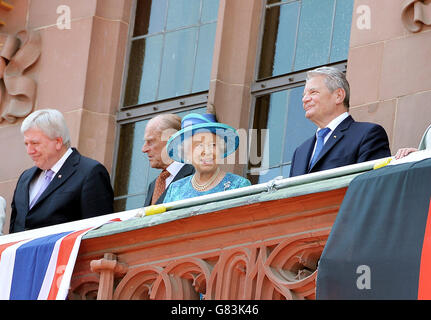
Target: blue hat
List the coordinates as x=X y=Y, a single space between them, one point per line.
x=194 y=123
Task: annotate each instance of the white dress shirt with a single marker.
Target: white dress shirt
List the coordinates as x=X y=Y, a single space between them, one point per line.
x=332 y=126
x=173 y=169
x=427 y=139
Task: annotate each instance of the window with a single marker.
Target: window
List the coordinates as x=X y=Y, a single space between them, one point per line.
x=169 y=65
x=298 y=35
x=171 y=49
x=133 y=171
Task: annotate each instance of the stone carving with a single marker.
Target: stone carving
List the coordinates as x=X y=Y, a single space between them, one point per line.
x=109 y=268
x=285 y=269
x=84 y=289
x=415 y=14
x=17 y=91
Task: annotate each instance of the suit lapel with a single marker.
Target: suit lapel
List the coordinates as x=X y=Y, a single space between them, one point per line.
x=185 y=171
x=150 y=192
x=65 y=172
x=26 y=184
x=335 y=137
x=303 y=157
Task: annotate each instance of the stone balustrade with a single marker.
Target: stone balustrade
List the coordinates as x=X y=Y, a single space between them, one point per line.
x=264 y=245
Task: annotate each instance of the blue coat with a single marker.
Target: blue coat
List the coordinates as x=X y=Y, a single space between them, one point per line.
x=80 y=189
x=351 y=142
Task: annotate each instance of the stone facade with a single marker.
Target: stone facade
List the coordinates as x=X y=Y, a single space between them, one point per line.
x=389 y=72
x=80 y=70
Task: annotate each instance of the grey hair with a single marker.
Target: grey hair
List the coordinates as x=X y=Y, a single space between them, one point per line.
x=165 y=124
x=50 y=121
x=334 y=79
x=168 y=121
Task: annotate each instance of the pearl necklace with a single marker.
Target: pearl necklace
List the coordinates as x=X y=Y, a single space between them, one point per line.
x=204 y=187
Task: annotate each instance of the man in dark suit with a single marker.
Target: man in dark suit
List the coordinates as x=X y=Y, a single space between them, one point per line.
x=157 y=133
x=339 y=140
x=63 y=185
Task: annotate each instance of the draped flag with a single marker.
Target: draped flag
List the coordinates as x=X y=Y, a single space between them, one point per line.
x=40 y=268
x=380 y=244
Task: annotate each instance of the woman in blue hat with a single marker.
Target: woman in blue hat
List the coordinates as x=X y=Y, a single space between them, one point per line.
x=204 y=143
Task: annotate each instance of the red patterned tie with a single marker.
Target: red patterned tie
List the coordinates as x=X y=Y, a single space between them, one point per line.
x=160 y=185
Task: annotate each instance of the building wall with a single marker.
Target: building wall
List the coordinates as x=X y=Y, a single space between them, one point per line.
x=390 y=73
x=80 y=72
x=234 y=61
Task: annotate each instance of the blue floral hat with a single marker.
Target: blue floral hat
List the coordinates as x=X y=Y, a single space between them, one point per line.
x=194 y=123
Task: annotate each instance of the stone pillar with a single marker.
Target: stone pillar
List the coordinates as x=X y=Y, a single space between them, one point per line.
x=109 y=268
x=388 y=69
x=79 y=72
x=234 y=62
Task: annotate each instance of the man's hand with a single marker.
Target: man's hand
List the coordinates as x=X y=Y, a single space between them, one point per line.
x=401 y=153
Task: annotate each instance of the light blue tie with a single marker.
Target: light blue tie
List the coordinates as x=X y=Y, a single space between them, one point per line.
x=321 y=134
x=45 y=183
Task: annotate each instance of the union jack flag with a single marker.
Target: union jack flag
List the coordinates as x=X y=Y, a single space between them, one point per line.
x=41 y=267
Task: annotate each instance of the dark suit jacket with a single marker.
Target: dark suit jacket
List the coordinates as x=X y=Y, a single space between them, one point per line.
x=185 y=171
x=351 y=142
x=81 y=189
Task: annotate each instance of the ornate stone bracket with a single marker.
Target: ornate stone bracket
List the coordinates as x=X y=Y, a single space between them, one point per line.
x=109 y=268
x=267 y=250
x=415 y=14
x=18 y=91
x=277 y=270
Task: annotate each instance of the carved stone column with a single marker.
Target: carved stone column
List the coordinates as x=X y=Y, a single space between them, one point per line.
x=415 y=14
x=109 y=268
x=17 y=90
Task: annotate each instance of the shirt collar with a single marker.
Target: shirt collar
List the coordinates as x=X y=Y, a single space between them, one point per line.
x=56 y=167
x=334 y=123
x=174 y=168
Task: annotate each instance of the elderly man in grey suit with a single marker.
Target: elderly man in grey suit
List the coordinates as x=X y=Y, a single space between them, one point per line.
x=157 y=133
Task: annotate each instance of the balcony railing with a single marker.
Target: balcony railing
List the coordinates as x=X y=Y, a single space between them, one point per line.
x=257 y=242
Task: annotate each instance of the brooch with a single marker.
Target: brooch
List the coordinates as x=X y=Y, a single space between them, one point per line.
x=227 y=185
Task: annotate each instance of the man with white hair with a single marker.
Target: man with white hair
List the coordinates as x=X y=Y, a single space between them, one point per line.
x=157 y=132
x=63 y=185
x=339 y=140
